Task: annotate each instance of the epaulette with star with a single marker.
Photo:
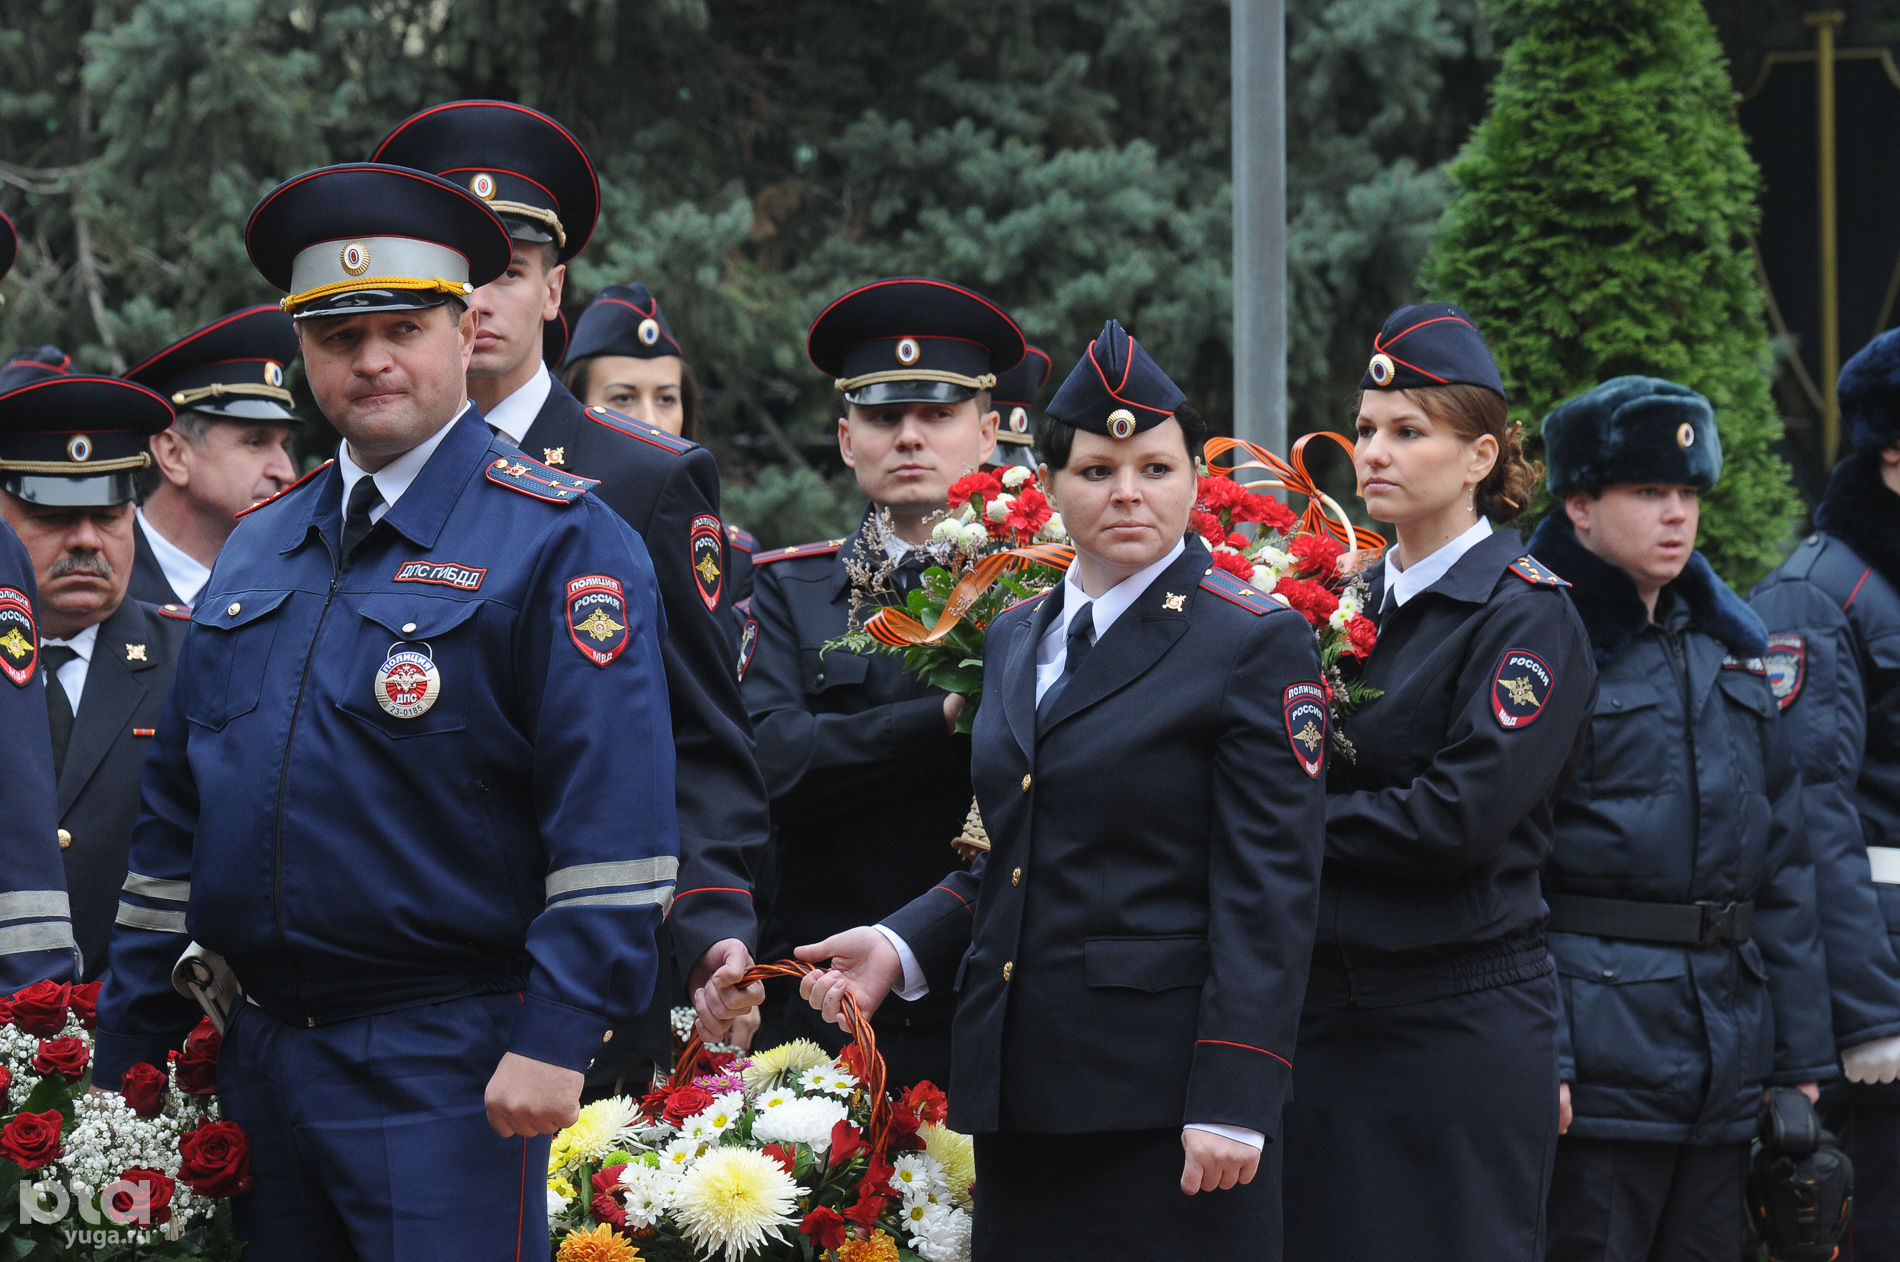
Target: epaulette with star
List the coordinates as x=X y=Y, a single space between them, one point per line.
x=1534 y=572
x=632 y=427
x=181 y=613
x=287 y=490
x=742 y=539
x=530 y=477
x=826 y=548
x=1252 y=599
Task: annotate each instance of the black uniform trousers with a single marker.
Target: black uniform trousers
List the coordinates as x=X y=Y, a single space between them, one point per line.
x=1631 y=1200
x=1866 y=1121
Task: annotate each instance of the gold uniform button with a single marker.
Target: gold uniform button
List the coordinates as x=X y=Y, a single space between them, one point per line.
x=608 y=1037
x=234 y=609
x=1016 y=877
x=1009 y=969
x=65 y=840
x=1025 y=782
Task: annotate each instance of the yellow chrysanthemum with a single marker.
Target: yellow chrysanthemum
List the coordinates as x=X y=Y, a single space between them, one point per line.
x=732 y=1199
x=562 y=1188
x=957 y=1155
x=879 y=1248
x=602 y=1244
x=602 y=1127
x=777 y=1066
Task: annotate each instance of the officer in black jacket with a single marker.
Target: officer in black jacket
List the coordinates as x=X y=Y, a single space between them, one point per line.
x=1833 y=611
x=1015 y=402
x=869 y=781
x=1682 y=900
x=108 y=660
x=535 y=175
x=1425 y=1088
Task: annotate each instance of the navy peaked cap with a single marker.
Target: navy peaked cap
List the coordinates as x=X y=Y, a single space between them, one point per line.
x=232 y=368
x=912 y=339
x=1014 y=397
x=73 y=441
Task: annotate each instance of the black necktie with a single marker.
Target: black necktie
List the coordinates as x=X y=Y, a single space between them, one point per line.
x=1081 y=639
x=364 y=497
x=59 y=707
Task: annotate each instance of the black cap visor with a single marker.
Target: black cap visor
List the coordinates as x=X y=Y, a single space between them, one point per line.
x=879 y=393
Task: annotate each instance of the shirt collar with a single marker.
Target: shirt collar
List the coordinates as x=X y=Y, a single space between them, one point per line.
x=393 y=478
x=1112 y=603
x=1402 y=585
x=183 y=571
x=515 y=414
x=81 y=644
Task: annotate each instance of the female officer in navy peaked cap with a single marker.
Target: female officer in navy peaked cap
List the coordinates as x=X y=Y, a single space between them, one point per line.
x=1424 y=1112
x=1129 y=955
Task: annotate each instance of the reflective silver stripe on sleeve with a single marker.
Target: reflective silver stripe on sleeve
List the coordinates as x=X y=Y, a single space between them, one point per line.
x=601 y=876
x=153 y=887
x=660 y=897
x=34 y=905
x=145 y=918
x=44 y=935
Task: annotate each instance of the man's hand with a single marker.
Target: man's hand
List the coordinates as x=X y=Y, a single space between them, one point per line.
x=1215 y=1162
x=953 y=704
x=532 y=1097
x=718 y=997
x=745 y=1028
x=862 y=963
x=1564 y=1114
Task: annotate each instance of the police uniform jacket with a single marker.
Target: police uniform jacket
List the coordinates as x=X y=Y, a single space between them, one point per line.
x=1437 y=825
x=667 y=489
x=518 y=834
x=1833 y=614
x=36 y=936
x=131 y=670
x=1686 y=793
x=149 y=583
x=1131 y=952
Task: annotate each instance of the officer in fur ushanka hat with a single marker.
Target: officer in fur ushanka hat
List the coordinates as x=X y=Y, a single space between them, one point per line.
x=1635 y=430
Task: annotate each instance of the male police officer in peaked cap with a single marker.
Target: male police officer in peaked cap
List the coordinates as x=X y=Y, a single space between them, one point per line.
x=226 y=451
x=1014 y=398
x=533 y=173
x=414 y=784
x=71 y=451
x=36 y=935
x=869 y=780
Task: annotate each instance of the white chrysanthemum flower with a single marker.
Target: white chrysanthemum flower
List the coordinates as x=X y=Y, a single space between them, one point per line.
x=602 y=1127
x=998 y=508
x=829 y=1078
x=954 y=1152
x=556 y=1203
x=682 y=1153
x=946 y=530
x=973 y=537
x=1269 y=557
x=1054 y=530
x=716 y=1118
x=733 y=1200
x=805 y=1120
x=772 y=1099
x=917 y=1175
x=1015 y=476
x=648 y=1193
x=777 y=1066
x=1263 y=580
x=944 y=1236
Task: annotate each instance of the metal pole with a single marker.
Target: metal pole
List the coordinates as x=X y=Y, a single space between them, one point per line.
x=1824 y=24
x=1258 y=32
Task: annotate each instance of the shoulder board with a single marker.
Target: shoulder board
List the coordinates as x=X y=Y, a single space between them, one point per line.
x=741 y=539
x=1532 y=571
x=280 y=495
x=532 y=478
x=826 y=548
x=632 y=428
x=1252 y=599
x=181 y=612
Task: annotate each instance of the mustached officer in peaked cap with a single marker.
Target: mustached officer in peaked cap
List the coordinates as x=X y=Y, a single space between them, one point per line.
x=1833 y=615
x=1014 y=398
x=850 y=742
x=1686 y=799
x=228 y=449
x=36 y=935
x=71 y=451
x=414 y=787
x=533 y=173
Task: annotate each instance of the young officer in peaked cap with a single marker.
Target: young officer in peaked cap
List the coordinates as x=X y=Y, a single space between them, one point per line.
x=415 y=783
x=228 y=449
x=1014 y=398
x=851 y=742
x=533 y=173
x=1678 y=860
x=1833 y=614
x=72 y=449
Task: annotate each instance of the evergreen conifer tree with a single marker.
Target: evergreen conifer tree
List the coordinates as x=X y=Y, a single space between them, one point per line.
x=1600 y=226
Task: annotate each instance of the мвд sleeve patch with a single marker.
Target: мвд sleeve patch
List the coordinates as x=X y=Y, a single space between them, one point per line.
x=597 y=617
x=1306 y=725
x=19 y=638
x=1787 y=663
x=707 y=544
x=1520 y=688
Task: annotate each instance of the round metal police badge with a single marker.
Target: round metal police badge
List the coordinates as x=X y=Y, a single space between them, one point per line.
x=908 y=352
x=1019 y=420
x=355 y=258
x=1121 y=423
x=1685 y=435
x=649 y=332
x=407 y=684
x=79 y=448
x=1381 y=371
x=483 y=186
x=273 y=373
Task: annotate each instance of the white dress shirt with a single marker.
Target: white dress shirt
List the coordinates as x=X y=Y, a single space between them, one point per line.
x=183 y=571
x=393 y=478
x=1403 y=584
x=72 y=676
x=514 y=414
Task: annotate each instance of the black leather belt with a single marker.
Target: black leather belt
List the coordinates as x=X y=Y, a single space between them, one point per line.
x=1686 y=924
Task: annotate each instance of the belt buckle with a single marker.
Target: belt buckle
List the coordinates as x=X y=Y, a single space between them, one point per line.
x=1718 y=922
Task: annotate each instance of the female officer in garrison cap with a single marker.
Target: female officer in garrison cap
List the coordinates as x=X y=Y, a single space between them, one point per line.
x=1424 y=1112
x=1129 y=956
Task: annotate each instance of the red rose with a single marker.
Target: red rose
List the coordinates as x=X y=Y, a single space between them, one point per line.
x=928 y=1102
x=140 y=1198
x=685 y=1102
x=216 y=1160
x=6 y=1079
x=86 y=1004
x=607 y=1206
x=845 y=1144
x=31 y=1140
x=144 y=1089
x=41 y=1008
x=782 y=1155
x=653 y=1103
x=903 y=1132
x=1318 y=556
x=1234 y=563
x=824 y=1227
x=1361 y=635
x=198 y=1067
x=64 y=1057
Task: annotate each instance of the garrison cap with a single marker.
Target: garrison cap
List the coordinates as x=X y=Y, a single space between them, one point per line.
x=1116 y=389
x=72 y=441
x=527 y=167
x=1869 y=393
x=1430 y=344
x=1632 y=430
x=911 y=339
x=1014 y=397
x=232 y=369
x=623 y=320
x=365 y=237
